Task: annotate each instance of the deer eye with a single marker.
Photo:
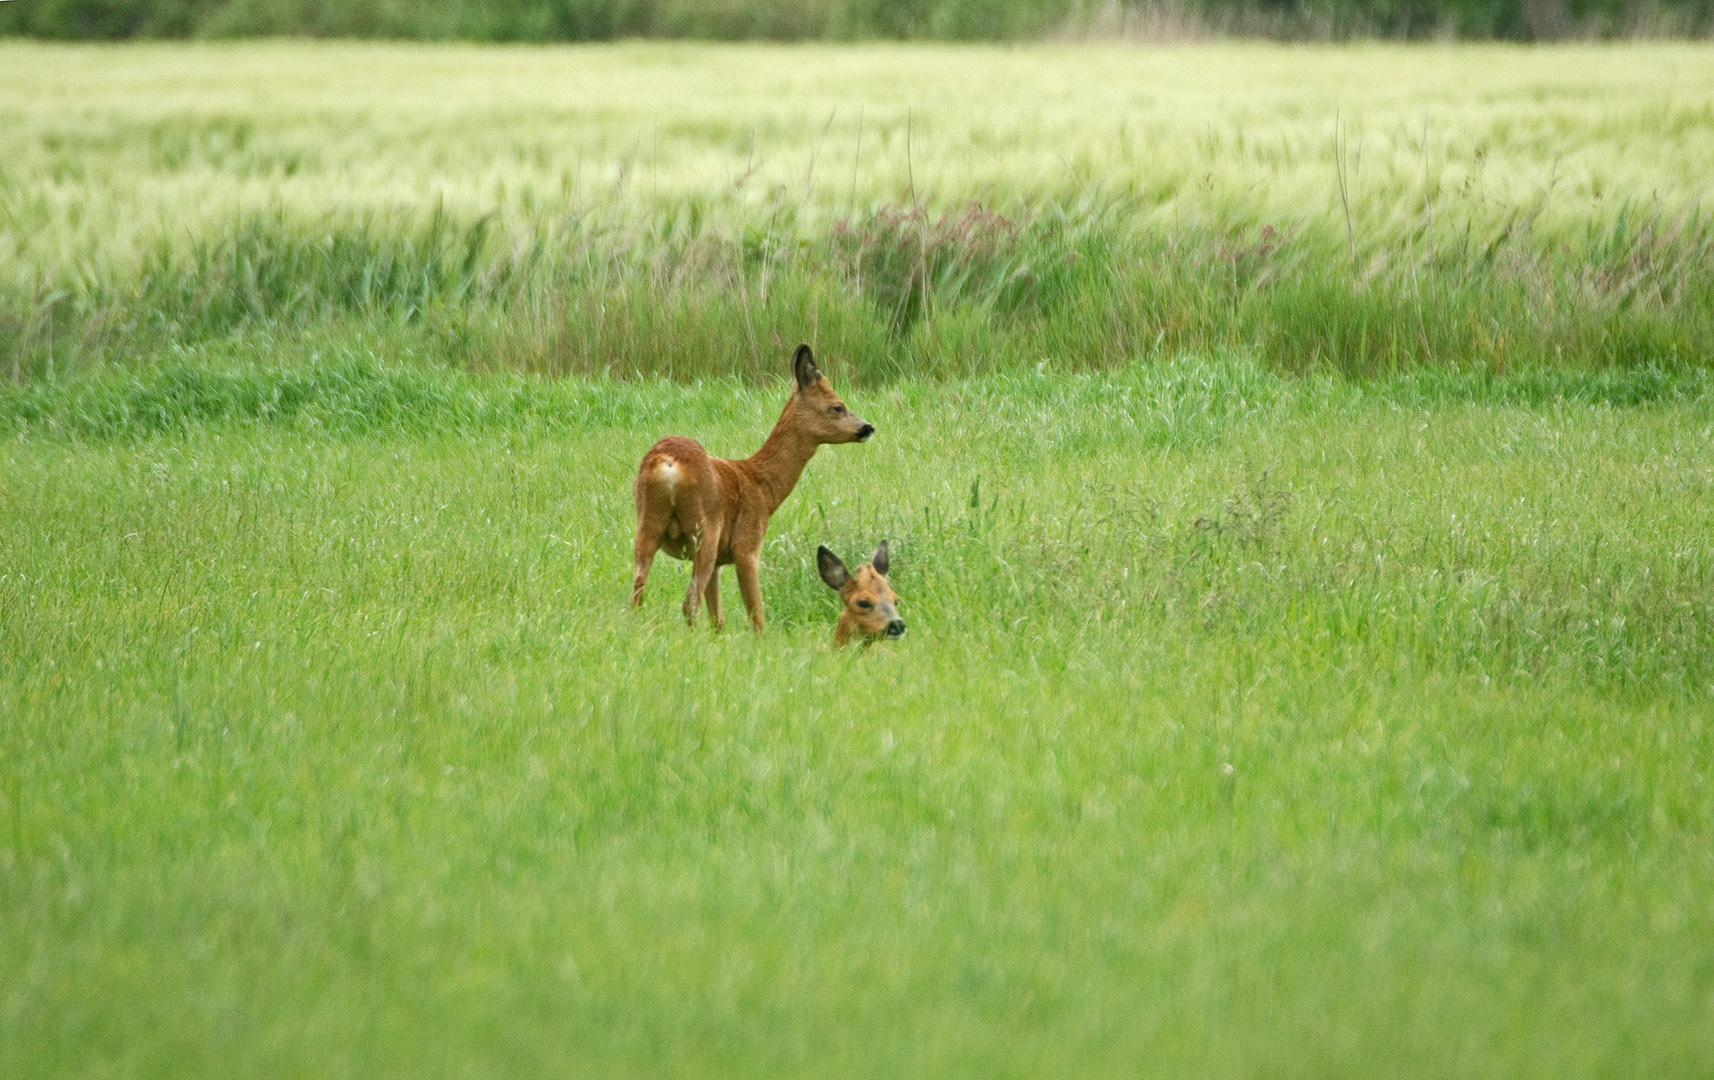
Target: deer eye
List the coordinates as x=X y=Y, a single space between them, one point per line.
x=864 y=604
x=836 y=410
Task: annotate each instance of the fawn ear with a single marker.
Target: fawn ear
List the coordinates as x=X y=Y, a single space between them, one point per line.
x=803 y=367
x=832 y=570
x=879 y=562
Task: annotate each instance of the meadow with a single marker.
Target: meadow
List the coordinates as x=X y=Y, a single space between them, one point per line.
x=1299 y=682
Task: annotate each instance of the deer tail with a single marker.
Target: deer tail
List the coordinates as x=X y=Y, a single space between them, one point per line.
x=665 y=472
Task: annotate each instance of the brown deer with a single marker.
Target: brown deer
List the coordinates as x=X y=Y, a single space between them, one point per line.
x=871 y=609
x=715 y=512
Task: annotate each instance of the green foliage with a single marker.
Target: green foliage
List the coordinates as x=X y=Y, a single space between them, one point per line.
x=536 y=20
x=269 y=272
x=1512 y=20
x=798 y=20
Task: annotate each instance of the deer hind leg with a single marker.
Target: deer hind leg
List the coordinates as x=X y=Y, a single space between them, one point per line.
x=648 y=542
x=654 y=516
x=702 y=574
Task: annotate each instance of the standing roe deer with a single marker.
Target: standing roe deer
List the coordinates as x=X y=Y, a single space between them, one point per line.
x=713 y=511
x=871 y=609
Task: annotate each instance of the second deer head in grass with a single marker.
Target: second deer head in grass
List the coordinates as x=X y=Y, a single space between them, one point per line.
x=871 y=609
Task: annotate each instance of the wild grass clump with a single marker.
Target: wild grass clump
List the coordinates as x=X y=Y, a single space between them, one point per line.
x=343 y=397
x=343 y=392
x=274 y=273
x=900 y=290
x=910 y=262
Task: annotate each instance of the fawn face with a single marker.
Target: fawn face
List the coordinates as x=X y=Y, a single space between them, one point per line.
x=871 y=609
x=818 y=411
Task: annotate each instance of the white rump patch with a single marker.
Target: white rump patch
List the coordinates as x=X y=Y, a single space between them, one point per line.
x=667 y=472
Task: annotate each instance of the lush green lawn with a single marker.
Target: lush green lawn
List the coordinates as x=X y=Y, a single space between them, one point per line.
x=1246 y=726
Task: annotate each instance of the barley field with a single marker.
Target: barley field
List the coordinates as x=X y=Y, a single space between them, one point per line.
x=1297 y=469
x=924 y=209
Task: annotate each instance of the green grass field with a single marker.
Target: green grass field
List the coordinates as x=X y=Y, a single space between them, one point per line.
x=1247 y=726
x=1273 y=705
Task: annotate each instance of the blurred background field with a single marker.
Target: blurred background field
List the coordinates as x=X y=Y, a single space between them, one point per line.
x=919 y=208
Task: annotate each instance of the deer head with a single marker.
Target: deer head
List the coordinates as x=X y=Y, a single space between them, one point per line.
x=817 y=411
x=871 y=609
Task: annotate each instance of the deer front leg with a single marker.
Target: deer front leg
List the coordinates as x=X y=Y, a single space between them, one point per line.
x=749 y=565
x=712 y=596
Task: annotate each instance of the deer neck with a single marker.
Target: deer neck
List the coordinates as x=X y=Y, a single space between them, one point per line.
x=775 y=468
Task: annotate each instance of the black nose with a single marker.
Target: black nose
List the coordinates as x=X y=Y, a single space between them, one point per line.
x=896 y=628
x=864 y=432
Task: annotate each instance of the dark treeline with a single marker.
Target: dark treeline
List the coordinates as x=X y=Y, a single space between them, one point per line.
x=841 y=20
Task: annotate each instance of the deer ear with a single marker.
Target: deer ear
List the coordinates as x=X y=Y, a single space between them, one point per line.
x=803 y=367
x=832 y=570
x=879 y=562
